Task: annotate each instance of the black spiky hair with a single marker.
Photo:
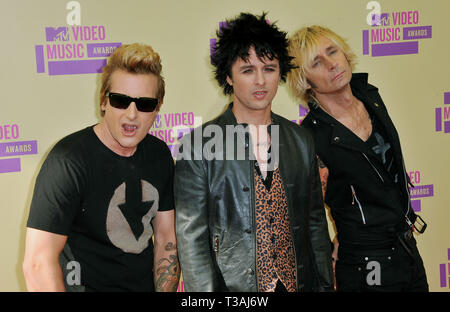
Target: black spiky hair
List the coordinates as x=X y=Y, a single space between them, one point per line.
x=236 y=37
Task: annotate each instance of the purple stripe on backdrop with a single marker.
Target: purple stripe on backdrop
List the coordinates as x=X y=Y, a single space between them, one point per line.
x=365 y=42
x=212 y=47
x=448 y=251
x=416 y=206
x=421 y=32
x=76 y=67
x=18 y=148
x=101 y=49
x=443 y=275
x=447 y=98
x=438 y=119
x=422 y=191
x=447 y=126
x=397 y=48
x=10 y=165
x=222 y=25
x=40 y=64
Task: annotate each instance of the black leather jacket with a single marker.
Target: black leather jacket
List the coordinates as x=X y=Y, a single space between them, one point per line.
x=215 y=213
x=367 y=206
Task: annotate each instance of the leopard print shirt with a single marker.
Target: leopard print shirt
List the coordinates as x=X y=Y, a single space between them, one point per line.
x=275 y=251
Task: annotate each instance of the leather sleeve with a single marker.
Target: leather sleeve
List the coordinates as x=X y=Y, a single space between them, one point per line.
x=191 y=208
x=318 y=227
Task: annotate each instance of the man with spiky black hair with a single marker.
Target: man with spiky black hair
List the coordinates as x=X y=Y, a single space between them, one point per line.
x=235 y=42
x=249 y=207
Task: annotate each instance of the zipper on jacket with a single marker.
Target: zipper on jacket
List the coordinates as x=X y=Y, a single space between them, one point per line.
x=408 y=199
x=216 y=246
x=252 y=167
x=359 y=204
x=379 y=175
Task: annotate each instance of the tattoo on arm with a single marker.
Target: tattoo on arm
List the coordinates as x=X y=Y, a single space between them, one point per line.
x=168 y=270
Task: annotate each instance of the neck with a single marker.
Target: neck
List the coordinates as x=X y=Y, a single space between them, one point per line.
x=338 y=103
x=103 y=134
x=252 y=117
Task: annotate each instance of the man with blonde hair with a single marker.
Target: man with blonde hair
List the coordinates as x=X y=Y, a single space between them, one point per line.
x=367 y=185
x=103 y=192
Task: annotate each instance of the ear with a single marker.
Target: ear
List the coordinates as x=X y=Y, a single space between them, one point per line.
x=229 y=81
x=103 y=106
x=158 y=107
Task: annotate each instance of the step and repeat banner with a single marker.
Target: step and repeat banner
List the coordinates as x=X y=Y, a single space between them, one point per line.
x=53 y=50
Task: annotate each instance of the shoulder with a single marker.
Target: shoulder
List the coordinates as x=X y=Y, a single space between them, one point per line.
x=206 y=131
x=74 y=145
x=286 y=123
x=360 y=82
x=308 y=121
x=155 y=146
x=292 y=129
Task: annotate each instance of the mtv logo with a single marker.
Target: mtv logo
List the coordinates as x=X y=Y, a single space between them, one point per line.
x=380 y=19
x=157 y=122
x=57 y=34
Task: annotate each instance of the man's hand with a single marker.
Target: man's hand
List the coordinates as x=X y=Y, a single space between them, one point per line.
x=334 y=255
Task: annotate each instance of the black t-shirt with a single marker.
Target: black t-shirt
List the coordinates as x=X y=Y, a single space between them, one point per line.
x=104 y=203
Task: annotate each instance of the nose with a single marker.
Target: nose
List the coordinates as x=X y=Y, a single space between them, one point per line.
x=131 y=111
x=331 y=63
x=260 y=79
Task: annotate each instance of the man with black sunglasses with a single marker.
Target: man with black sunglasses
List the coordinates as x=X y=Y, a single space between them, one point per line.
x=105 y=191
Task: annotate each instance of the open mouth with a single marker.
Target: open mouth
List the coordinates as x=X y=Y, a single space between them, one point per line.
x=129 y=129
x=260 y=94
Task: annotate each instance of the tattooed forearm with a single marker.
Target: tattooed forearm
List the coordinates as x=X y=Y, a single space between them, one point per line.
x=167 y=269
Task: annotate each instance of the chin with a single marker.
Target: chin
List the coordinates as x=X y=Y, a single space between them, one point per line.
x=130 y=142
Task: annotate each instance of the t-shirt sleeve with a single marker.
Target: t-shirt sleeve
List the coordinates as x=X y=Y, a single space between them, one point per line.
x=166 y=201
x=57 y=196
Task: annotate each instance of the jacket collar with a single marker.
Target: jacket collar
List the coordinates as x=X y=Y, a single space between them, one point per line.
x=362 y=90
x=341 y=135
x=368 y=95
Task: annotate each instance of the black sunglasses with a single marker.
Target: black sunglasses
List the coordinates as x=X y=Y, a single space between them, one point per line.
x=122 y=101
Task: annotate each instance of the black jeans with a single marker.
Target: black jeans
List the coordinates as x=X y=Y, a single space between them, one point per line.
x=388 y=270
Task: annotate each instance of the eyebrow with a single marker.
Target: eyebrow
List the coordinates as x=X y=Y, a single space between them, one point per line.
x=328 y=49
x=249 y=66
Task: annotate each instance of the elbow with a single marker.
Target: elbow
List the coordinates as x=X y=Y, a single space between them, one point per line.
x=35 y=271
x=30 y=269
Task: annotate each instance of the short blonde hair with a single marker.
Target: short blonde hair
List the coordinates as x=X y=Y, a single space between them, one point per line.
x=133 y=58
x=303 y=46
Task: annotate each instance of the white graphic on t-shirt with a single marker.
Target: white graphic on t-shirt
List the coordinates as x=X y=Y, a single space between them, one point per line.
x=118 y=227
